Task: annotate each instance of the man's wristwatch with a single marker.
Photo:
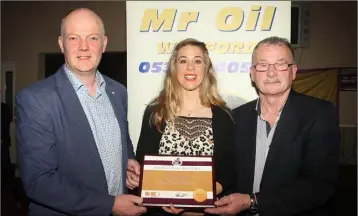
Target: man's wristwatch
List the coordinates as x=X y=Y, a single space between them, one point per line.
x=254 y=207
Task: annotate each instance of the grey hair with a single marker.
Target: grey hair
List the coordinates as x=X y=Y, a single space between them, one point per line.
x=78 y=9
x=274 y=40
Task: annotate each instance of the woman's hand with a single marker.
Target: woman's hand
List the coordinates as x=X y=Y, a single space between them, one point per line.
x=219 y=188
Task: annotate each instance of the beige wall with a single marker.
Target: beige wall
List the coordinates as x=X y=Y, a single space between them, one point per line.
x=348 y=108
x=333 y=36
x=348 y=118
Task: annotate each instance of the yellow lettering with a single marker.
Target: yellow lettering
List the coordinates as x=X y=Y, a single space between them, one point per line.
x=229 y=19
x=210 y=46
x=150 y=18
x=185 y=19
x=165 y=47
x=267 y=20
x=248 y=47
x=235 y=47
x=222 y=47
x=253 y=18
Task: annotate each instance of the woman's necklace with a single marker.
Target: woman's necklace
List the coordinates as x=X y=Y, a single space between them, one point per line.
x=191 y=111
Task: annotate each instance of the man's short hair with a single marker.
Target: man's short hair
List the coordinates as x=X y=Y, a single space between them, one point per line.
x=274 y=40
x=77 y=9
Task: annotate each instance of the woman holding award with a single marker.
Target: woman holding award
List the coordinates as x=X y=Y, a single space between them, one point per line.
x=189 y=117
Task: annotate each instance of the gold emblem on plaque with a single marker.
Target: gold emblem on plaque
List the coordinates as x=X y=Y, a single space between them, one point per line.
x=199 y=195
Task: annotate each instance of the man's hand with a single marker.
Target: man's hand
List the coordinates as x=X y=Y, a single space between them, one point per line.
x=219 y=188
x=172 y=209
x=127 y=204
x=232 y=204
x=133 y=172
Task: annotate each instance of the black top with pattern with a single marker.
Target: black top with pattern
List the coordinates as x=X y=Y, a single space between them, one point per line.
x=187 y=136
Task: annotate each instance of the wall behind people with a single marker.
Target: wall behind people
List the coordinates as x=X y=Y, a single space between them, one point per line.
x=333 y=36
x=29 y=28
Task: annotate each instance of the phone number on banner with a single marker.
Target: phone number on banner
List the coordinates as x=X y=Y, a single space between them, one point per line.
x=230 y=67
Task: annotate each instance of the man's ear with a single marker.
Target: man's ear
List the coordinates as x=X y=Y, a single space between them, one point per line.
x=105 y=41
x=252 y=74
x=60 y=44
x=294 y=71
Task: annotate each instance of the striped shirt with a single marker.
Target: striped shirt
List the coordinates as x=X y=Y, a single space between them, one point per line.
x=264 y=135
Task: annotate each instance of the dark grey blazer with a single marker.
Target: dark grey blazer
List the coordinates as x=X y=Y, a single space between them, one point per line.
x=302 y=164
x=59 y=162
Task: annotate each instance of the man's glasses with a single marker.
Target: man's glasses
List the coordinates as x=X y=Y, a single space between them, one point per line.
x=262 y=67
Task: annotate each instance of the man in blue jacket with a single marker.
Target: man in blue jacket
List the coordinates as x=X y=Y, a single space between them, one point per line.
x=71 y=131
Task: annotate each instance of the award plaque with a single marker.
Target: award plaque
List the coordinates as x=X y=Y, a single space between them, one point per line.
x=184 y=181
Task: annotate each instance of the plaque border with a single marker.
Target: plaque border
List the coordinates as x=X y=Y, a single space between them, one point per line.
x=190 y=206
